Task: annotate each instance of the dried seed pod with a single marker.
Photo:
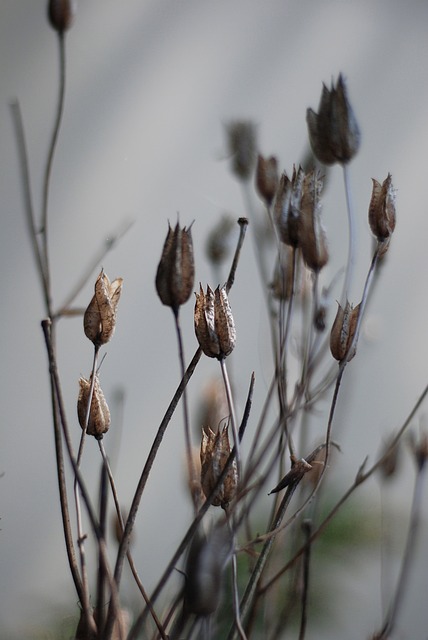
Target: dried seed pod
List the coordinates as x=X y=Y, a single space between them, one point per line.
x=333 y=131
x=241 y=138
x=312 y=237
x=99 y=414
x=390 y=464
x=176 y=270
x=99 y=321
x=382 y=215
x=206 y=560
x=286 y=208
x=343 y=331
x=61 y=14
x=214 y=324
x=215 y=450
x=219 y=241
x=296 y=473
x=267 y=178
x=420 y=450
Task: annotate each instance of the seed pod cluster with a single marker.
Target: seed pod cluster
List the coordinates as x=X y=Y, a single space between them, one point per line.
x=99 y=413
x=214 y=324
x=176 y=270
x=333 y=131
x=343 y=331
x=99 y=320
x=215 y=450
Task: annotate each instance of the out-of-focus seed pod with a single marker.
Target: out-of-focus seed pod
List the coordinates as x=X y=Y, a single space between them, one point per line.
x=267 y=178
x=214 y=324
x=219 y=241
x=420 y=450
x=343 y=332
x=333 y=131
x=382 y=216
x=99 y=321
x=61 y=14
x=321 y=310
x=206 y=560
x=286 y=208
x=241 y=139
x=215 y=450
x=390 y=464
x=296 y=473
x=176 y=270
x=99 y=414
x=312 y=237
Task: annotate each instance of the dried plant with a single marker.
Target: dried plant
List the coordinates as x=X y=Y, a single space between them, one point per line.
x=270 y=573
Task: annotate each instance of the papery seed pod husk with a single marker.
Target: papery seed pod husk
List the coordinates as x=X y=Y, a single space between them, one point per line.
x=241 y=137
x=99 y=414
x=61 y=14
x=343 y=332
x=223 y=322
x=333 y=131
x=219 y=243
x=99 y=320
x=267 y=178
x=215 y=450
x=286 y=208
x=382 y=215
x=176 y=270
x=206 y=560
x=204 y=323
x=312 y=236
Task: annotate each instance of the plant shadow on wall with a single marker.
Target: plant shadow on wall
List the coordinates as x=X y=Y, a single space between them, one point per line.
x=252 y=570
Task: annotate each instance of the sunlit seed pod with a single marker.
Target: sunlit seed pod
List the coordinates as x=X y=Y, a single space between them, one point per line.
x=99 y=414
x=333 y=131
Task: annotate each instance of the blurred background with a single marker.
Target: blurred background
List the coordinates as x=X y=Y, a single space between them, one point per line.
x=150 y=86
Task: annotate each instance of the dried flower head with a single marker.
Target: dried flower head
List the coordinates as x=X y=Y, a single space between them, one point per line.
x=214 y=324
x=219 y=241
x=99 y=414
x=267 y=178
x=287 y=205
x=215 y=450
x=333 y=131
x=343 y=331
x=176 y=271
x=208 y=554
x=312 y=237
x=99 y=321
x=382 y=209
x=61 y=14
x=241 y=139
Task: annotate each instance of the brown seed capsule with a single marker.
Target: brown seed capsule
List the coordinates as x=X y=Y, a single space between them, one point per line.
x=267 y=178
x=333 y=131
x=214 y=324
x=343 y=332
x=219 y=243
x=99 y=321
x=215 y=450
x=99 y=414
x=241 y=138
x=312 y=237
x=286 y=208
x=176 y=271
x=61 y=14
x=208 y=554
x=382 y=209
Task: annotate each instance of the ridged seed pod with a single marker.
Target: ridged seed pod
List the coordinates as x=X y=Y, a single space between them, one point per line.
x=215 y=450
x=343 y=332
x=333 y=131
x=287 y=205
x=312 y=236
x=99 y=320
x=176 y=270
x=99 y=414
x=214 y=324
x=382 y=216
